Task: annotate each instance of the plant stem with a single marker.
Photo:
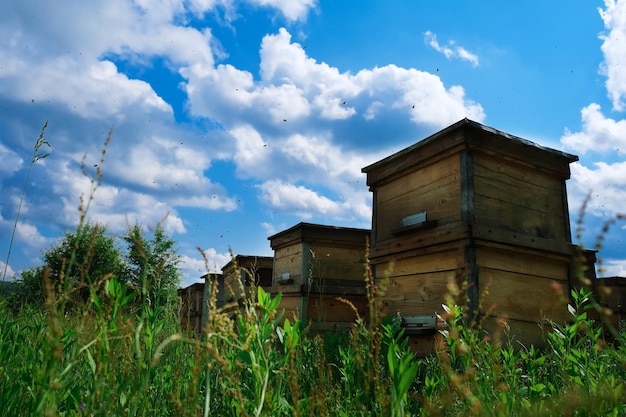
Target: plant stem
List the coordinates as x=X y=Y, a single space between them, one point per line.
x=36 y=157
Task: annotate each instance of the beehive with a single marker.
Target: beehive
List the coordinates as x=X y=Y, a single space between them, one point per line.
x=243 y=274
x=313 y=266
x=481 y=208
x=191 y=308
x=612 y=295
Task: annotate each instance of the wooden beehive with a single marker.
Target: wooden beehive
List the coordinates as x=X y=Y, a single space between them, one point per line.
x=191 y=307
x=313 y=266
x=484 y=210
x=612 y=296
x=243 y=274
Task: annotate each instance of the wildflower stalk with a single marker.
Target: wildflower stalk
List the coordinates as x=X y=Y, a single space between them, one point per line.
x=37 y=155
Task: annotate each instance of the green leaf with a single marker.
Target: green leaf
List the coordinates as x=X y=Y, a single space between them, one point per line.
x=92 y=363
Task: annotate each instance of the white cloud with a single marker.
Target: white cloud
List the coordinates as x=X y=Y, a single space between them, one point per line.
x=195 y=266
x=612 y=268
x=270 y=229
x=11 y=161
x=599 y=134
x=280 y=129
x=29 y=234
x=97 y=92
x=614 y=17
x=296 y=88
x=606 y=183
x=298 y=200
x=451 y=50
x=291 y=9
x=10 y=274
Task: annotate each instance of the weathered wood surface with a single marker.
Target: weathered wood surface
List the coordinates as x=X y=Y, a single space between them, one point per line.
x=435 y=191
x=520 y=296
x=291 y=303
x=331 y=309
x=511 y=197
x=520 y=151
x=420 y=177
x=289 y=260
x=421 y=153
x=531 y=264
x=517 y=332
x=416 y=294
x=467 y=134
x=499 y=237
x=420 y=242
x=346 y=263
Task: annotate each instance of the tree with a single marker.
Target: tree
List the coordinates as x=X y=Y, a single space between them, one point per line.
x=153 y=265
x=83 y=259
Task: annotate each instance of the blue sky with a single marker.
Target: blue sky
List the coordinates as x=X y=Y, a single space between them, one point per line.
x=239 y=119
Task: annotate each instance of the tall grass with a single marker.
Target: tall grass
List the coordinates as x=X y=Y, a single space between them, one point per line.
x=111 y=359
x=37 y=156
x=114 y=355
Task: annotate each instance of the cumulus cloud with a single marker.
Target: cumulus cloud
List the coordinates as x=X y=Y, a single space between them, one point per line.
x=612 y=268
x=195 y=266
x=25 y=234
x=300 y=129
x=11 y=161
x=614 y=52
x=602 y=185
x=599 y=134
x=304 y=202
x=291 y=9
x=606 y=183
x=297 y=92
x=451 y=50
x=10 y=274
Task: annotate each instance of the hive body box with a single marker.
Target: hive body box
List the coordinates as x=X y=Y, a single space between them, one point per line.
x=483 y=209
x=192 y=308
x=313 y=265
x=243 y=274
x=612 y=293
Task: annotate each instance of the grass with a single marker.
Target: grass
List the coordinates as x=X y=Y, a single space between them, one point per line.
x=114 y=356
x=117 y=354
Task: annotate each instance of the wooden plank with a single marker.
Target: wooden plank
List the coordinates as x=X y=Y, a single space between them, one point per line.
x=423 y=345
x=533 y=264
x=449 y=260
x=291 y=264
x=331 y=309
x=514 y=217
x=520 y=334
x=484 y=234
x=322 y=287
x=445 y=169
x=440 y=201
x=421 y=242
x=291 y=305
x=288 y=251
x=419 y=154
x=466 y=200
x=521 y=152
x=337 y=263
x=521 y=297
x=519 y=198
x=516 y=176
x=416 y=294
x=233 y=288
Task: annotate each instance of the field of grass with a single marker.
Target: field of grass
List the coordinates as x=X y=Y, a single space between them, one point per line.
x=117 y=352
x=115 y=355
